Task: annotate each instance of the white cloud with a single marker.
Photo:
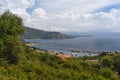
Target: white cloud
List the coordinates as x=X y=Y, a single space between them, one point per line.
x=55 y=6
x=39 y=13
x=66 y=15
x=37 y=19
x=13 y=4
x=84 y=22
x=28 y=3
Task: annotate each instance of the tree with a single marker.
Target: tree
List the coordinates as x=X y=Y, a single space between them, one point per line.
x=116 y=59
x=107 y=61
x=103 y=54
x=117 y=66
x=11 y=27
x=107 y=73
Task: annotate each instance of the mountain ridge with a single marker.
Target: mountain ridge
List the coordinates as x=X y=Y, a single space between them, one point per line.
x=31 y=33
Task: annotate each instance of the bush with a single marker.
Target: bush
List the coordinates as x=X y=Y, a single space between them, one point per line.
x=107 y=73
x=107 y=61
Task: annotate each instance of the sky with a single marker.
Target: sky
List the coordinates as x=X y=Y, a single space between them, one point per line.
x=67 y=15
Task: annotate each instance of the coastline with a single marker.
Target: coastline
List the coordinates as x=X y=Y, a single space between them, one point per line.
x=73 y=52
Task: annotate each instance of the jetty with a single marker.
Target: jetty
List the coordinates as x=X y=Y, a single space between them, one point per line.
x=82 y=51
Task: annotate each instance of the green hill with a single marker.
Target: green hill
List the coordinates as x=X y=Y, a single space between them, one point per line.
x=34 y=65
x=20 y=62
x=31 y=33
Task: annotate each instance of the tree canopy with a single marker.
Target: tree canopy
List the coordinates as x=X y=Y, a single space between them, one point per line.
x=11 y=27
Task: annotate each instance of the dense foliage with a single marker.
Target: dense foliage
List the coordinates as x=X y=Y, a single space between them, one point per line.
x=19 y=62
x=35 y=65
x=11 y=27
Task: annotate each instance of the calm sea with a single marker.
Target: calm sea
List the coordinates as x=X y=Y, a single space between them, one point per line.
x=79 y=43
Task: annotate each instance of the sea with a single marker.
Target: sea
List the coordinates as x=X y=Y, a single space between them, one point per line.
x=97 y=44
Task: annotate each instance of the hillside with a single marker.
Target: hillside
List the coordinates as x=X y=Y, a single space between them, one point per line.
x=20 y=62
x=34 y=65
x=31 y=33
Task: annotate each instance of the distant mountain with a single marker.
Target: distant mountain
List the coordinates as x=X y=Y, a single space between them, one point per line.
x=94 y=34
x=31 y=33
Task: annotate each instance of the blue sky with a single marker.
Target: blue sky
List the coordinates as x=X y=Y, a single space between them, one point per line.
x=67 y=15
x=108 y=8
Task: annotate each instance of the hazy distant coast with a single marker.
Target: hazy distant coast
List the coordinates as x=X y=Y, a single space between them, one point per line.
x=32 y=33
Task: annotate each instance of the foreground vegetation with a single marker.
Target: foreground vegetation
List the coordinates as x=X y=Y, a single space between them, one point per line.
x=19 y=62
x=34 y=65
